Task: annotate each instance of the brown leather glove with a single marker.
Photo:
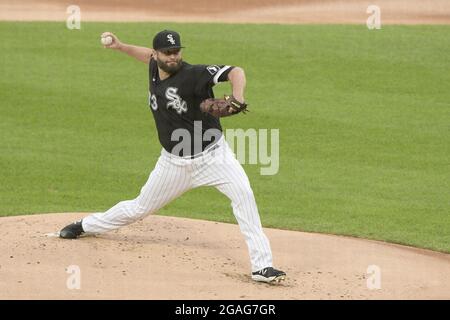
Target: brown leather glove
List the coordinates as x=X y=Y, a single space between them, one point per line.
x=223 y=107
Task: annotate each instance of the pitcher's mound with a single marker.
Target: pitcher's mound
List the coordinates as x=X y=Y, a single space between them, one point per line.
x=174 y=258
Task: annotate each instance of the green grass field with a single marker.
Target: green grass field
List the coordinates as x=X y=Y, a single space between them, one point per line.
x=363 y=116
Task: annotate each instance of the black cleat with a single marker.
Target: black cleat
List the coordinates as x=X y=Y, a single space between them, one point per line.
x=72 y=231
x=268 y=274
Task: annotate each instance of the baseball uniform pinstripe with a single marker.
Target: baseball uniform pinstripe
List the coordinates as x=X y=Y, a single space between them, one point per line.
x=173 y=176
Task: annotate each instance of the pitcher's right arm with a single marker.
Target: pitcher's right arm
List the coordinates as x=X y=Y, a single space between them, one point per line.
x=140 y=53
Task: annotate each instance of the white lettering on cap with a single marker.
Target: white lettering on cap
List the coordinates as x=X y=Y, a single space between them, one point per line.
x=170 y=39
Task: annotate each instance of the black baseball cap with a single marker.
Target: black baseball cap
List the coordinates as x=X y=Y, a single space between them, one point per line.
x=167 y=39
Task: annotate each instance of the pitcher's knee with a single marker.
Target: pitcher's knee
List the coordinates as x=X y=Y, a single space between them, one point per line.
x=142 y=211
x=245 y=194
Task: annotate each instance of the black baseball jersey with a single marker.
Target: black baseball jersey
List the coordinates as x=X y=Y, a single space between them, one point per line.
x=175 y=104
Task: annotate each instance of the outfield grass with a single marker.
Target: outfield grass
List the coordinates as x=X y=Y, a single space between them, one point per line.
x=363 y=118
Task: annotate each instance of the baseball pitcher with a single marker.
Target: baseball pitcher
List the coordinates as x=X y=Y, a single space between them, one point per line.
x=194 y=152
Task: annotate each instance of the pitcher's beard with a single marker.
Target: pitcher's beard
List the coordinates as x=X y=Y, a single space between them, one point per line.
x=169 y=69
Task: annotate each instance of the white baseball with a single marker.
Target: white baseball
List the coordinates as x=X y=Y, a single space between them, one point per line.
x=106 y=41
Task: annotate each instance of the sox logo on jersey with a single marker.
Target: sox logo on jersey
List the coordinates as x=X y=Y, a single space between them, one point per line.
x=175 y=101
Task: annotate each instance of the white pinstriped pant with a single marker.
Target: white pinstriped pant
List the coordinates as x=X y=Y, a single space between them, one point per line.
x=172 y=176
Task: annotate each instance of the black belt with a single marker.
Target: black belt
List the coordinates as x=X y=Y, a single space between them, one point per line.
x=198 y=155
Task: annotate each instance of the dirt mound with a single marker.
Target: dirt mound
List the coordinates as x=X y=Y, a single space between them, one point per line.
x=174 y=258
x=234 y=11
